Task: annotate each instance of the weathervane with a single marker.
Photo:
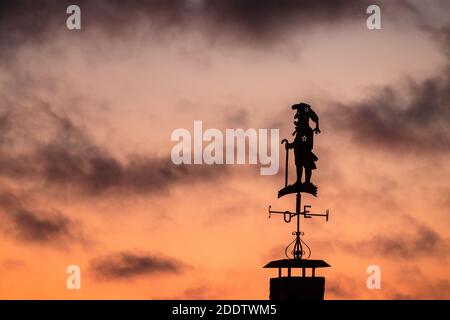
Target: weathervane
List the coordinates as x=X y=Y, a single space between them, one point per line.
x=305 y=160
x=302 y=145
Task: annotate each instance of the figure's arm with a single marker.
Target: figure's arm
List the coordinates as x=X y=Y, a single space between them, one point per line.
x=313 y=116
x=316 y=129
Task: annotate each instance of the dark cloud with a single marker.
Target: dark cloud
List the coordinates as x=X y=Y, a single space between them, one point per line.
x=441 y=35
x=269 y=20
x=100 y=172
x=37 y=226
x=22 y=22
x=414 y=117
x=266 y=21
x=31 y=227
x=42 y=147
x=128 y=264
x=416 y=121
x=69 y=157
x=423 y=242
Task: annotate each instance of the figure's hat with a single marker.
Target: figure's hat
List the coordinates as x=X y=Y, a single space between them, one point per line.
x=301 y=106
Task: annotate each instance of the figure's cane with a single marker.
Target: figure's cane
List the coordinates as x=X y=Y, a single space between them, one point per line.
x=287 y=162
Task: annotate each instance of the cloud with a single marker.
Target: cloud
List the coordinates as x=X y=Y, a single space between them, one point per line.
x=201 y=292
x=341 y=286
x=12 y=264
x=270 y=20
x=386 y=121
x=417 y=285
x=246 y=21
x=38 y=226
x=204 y=290
x=128 y=264
x=411 y=118
x=65 y=155
x=428 y=290
x=441 y=35
x=29 y=226
x=423 y=242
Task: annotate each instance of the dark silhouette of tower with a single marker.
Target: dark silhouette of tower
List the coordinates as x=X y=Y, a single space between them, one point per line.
x=302 y=286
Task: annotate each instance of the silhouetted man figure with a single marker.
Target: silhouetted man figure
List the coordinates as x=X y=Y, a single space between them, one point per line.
x=304 y=142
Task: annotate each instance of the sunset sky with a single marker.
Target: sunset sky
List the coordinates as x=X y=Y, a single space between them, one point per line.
x=86 y=117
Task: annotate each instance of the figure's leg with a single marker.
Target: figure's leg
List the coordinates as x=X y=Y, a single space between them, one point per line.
x=308 y=173
x=299 y=173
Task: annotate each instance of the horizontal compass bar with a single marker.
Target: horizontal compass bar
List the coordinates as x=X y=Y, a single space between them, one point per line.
x=305 y=213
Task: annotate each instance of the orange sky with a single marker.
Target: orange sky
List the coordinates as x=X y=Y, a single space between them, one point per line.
x=117 y=98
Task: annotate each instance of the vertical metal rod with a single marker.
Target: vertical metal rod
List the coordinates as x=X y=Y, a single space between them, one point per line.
x=287 y=166
x=298 y=250
x=297 y=210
